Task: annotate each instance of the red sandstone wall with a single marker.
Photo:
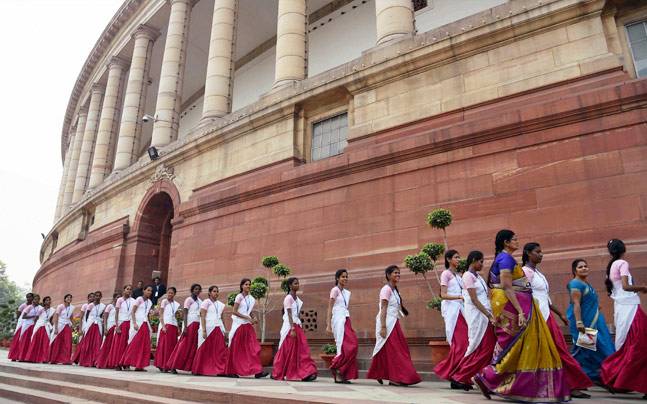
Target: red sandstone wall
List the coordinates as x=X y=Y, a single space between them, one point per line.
x=565 y=166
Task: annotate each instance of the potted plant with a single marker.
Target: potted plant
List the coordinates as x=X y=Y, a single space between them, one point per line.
x=261 y=290
x=328 y=352
x=154 y=319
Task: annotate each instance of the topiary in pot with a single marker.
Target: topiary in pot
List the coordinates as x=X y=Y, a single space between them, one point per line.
x=433 y=250
x=270 y=261
x=440 y=219
x=420 y=264
x=281 y=270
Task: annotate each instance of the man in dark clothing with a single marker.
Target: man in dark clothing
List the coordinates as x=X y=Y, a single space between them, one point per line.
x=139 y=290
x=159 y=289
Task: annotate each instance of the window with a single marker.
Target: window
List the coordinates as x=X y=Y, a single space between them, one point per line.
x=419 y=4
x=329 y=137
x=637 y=37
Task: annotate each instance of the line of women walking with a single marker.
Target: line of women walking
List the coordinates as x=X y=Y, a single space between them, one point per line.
x=503 y=334
x=502 y=331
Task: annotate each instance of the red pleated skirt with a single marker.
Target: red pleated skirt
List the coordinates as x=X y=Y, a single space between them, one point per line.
x=244 y=353
x=293 y=361
x=446 y=368
x=25 y=343
x=14 y=348
x=89 y=347
x=575 y=376
x=61 y=349
x=184 y=352
x=393 y=361
x=39 y=347
x=118 y=346
x=345 y=363
x=166 y=342
x=138 y=351
x=104 y=352
x=477 y=360
x=211 y=357
x=625 y=369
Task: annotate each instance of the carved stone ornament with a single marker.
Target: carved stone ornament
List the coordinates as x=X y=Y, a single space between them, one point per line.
x=163 y=172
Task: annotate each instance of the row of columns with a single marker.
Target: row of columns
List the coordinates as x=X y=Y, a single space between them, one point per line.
x=88 y=160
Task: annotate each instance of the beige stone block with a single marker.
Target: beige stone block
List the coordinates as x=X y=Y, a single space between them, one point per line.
x=371 y=111
x=452 y=87
x=528 y=46
x=470 y=98
x=600 y=63
x=361 y=99
x=584 y=28
x=581 y=49
x=541 y=80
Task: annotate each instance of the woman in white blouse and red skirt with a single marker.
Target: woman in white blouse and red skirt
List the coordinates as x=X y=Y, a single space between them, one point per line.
x=391 y=356
x=109 y=323
x=26 y=320
x=123 y=310
x=212 y=354
x=244 y=349
x=61 y=349
x=168 y=331
x=625 y=369
x=13 y=348
x=293 y=361
x=344 y=364
x=91 y=343
x=39 y=346
x=138 y=351
x=182 y=356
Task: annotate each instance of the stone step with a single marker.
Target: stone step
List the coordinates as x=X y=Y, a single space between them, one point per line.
x=26 y=395
x=83 y=391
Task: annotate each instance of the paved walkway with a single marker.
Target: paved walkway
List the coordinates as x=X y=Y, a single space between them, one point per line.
x=322 y=390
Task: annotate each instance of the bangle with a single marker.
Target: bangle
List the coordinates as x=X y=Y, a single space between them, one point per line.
x=579 y=322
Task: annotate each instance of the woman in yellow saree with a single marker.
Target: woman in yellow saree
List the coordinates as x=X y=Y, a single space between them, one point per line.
x=526 y=365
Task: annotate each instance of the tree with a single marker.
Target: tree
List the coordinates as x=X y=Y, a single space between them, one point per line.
x=10 y=298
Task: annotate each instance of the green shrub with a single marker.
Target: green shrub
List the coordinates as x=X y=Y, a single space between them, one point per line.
x=439 y=218
x=258 y=290
x=231 y=299
x=280 y=270
x=462 y=266
x=434 y=303
x=260 y=279
x=419 y=263
x=329 y=349
x=269 y=262
x=433 y=250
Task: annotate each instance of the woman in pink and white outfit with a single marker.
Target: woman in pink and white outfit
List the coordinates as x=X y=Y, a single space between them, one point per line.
x=29 y=317
x=344 y=364
x=138 y=351
x=91 y=343
x=110 y=324
x=212 y=354
x=61 y=348
x=39 y=346
x=84 y=315
x=625 y=369
x=168 y=330
x=293 y=361
x=244 y=349
x=123 y=311
x=184 y=352
x=15 y=341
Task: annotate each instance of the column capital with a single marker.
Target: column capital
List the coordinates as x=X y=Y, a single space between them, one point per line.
x=98 y=88
x=145 y=31
x=189 y=2
x=116 y=61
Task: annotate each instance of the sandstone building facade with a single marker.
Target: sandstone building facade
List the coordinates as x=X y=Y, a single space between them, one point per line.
x=323 y=131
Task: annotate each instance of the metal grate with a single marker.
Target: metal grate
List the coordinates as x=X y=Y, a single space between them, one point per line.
x=419 y=4
x=637 y=37
x=329 y=137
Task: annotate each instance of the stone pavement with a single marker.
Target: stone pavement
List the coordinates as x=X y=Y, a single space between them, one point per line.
x=97 y=385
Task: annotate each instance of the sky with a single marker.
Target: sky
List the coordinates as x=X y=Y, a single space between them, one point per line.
x=44 y=44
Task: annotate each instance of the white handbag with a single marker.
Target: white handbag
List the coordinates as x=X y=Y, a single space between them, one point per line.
x=588 y=339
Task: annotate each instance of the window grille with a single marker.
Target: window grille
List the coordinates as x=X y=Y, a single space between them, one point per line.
x=329 y=137
x=637 y=38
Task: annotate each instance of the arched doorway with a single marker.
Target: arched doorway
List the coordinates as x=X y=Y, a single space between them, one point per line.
x=153 y=232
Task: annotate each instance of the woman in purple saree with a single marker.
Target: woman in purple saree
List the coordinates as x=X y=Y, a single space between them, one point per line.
x=526 y=365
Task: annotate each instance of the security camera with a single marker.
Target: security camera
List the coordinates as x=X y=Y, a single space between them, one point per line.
x=148 y=118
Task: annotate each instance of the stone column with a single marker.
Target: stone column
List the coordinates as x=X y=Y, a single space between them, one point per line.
x=89 y=136
x=66 y=170
x=169 y=95
x=291 y=38
x=102 y=160
x=394 y=19
x=74 y=160
x=130 y=126
x=218 y=84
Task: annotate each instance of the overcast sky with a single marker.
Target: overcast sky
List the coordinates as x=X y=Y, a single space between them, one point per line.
x=43 y=44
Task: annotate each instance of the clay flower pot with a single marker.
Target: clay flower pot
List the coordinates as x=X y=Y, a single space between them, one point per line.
x=327 y=358
x=439 y=351
x=267 y=353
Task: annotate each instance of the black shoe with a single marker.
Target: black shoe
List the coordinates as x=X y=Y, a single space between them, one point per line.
x=579 y=394
x=397 y=384
x=343 y=381
x=261 y=375
x=174 y=371
x=233 y=376
x=310 y=378
x=483 y=388
x=380 y=381
x=454 y=385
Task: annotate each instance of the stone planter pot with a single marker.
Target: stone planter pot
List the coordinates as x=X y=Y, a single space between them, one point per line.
x=327 y=358
x=439 y=351
x=267 y=353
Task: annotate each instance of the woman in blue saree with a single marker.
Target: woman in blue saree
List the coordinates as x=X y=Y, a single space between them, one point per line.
x=583 y=312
